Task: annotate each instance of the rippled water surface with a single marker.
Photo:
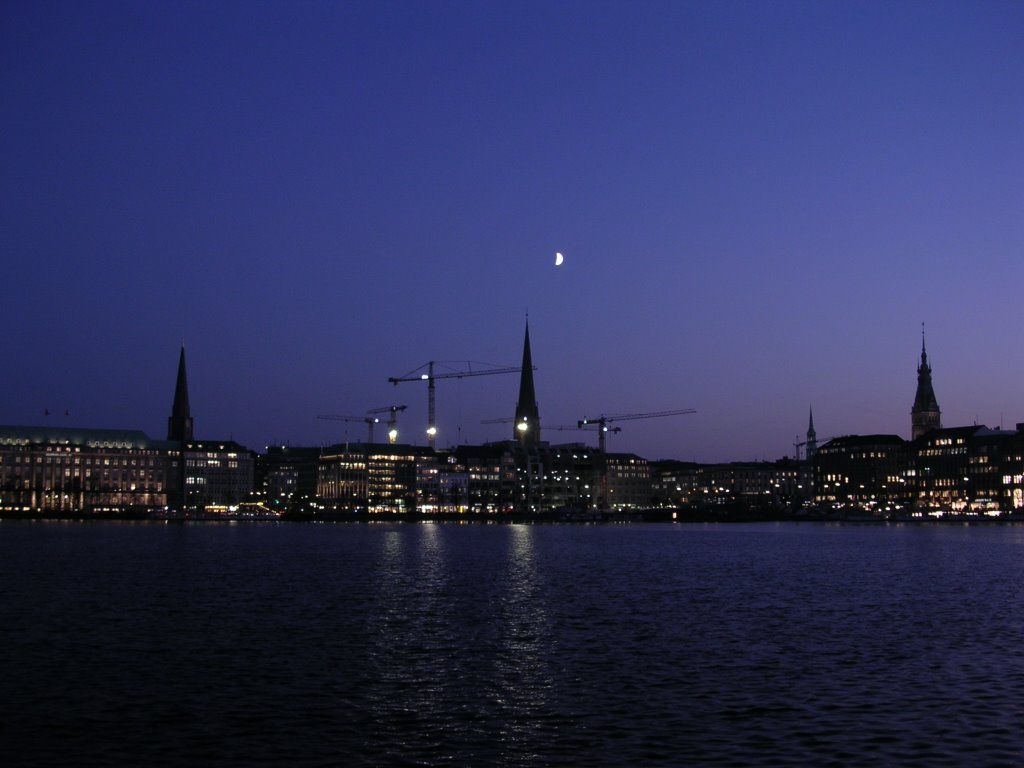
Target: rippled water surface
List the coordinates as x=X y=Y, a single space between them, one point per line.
x=299 y=644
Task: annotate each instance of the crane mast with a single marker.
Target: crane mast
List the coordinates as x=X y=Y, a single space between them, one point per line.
x=393 y=410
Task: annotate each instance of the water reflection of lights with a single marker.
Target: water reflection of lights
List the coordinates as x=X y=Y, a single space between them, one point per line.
x=524 y=677
x=410 y=625
x=431 y=576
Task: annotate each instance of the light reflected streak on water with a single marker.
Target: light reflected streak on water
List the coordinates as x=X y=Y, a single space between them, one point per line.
x=523 y=676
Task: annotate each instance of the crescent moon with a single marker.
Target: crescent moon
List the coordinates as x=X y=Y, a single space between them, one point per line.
x=559 y=259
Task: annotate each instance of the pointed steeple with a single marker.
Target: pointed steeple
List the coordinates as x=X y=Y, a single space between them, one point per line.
x=925 y=415
x=179 y=424
x=526 y=428
x=812 y=436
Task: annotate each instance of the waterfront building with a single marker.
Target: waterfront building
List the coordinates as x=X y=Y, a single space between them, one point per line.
x=507 y=477
x=996 y=468
x=205 y=476
x=219 y=475
x=342 y=479
x=373 y=478
x=628 y=481
x=103 y=471
x=863 y=472
x=938 y=469
x=286 y=477
x=674 y=483
x=955 y=470
x=553 y=478
x=179 y=431
x=528 y=492
x=925 y=415
x=442 y=484
x=68 y=471
x=752 y=485
x=391 y=473
x=572 y=477
x=967 y=469
x=491 y=476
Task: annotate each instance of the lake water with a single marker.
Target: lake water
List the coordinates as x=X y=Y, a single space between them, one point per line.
x=470 y=645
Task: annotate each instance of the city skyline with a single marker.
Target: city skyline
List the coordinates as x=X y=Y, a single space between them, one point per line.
x=757 y=206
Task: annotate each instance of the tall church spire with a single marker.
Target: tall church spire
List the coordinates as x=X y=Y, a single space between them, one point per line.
x=812 y=436
x=526 y=428
x=179 y=424
x=925 y=415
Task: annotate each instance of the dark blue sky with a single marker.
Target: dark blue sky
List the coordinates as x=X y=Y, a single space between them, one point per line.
x=759 y=203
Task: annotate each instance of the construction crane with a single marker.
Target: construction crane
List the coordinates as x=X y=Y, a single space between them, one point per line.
x=393 y=410
x=368 y=420
x=430 y=377
x=801 y=443
x=604 y=420
x=603 y=429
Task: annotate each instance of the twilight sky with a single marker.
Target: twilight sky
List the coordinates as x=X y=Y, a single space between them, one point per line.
x=759 y=203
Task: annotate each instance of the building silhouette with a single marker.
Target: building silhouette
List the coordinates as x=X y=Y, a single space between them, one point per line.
x=954 y=470
x=179 y=423
x=967 y=469
x=207 y=475
x=866 y=472
x=74 y=471
x=526 y=426
x=812 y=437
x=100 y=472
x=925 y=415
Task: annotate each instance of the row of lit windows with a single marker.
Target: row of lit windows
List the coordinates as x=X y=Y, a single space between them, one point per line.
x=30 y=484
x=51 y=459
x=17 y=472
x=72 y=448
x=350 y=465
x=943 y=452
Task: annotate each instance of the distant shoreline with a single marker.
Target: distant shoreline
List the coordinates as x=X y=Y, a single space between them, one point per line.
x=610 y=518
